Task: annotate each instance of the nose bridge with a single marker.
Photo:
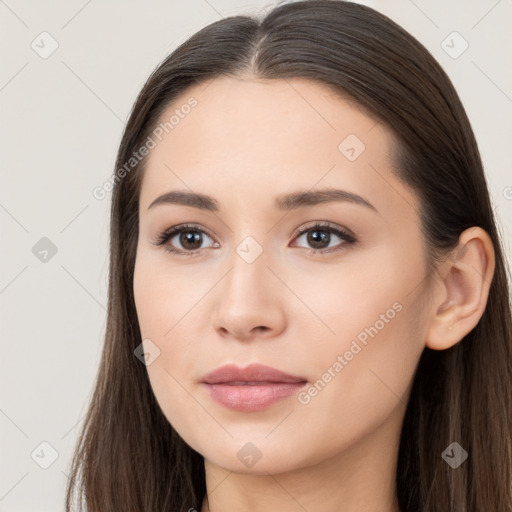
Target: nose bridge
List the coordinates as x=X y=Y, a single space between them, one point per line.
x=250 y=245
x=248 y=276
x=248 y=299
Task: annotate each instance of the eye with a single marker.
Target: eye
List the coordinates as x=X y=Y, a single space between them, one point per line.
x=319 y=236
x=188 y=235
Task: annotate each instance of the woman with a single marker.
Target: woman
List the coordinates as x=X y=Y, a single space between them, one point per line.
x=308 y=299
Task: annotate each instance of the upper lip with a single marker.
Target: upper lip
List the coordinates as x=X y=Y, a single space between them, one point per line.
x=252 y=373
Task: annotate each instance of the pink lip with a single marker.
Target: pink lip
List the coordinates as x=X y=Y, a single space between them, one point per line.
x=253 y=388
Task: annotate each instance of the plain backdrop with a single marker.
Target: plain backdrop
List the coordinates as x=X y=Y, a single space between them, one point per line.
x=62 y=115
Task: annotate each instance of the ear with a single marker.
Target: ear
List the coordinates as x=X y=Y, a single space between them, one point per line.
x=461 y=295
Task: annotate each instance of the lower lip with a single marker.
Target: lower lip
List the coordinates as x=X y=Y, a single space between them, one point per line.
x=252 y=397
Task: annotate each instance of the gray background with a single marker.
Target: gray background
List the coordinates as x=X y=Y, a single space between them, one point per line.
x=61 y=122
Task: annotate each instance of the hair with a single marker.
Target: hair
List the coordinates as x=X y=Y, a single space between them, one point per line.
x=128 y=456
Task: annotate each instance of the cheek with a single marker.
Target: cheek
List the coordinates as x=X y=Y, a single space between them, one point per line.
x=363 y=376
x=368 y=288
x=167 y=305
x=365 y=362
x=165 y=295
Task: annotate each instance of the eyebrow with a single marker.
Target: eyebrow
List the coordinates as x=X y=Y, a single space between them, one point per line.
x=285 y=202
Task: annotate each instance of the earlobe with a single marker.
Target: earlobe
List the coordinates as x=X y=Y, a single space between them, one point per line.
x=445 y=329
x=462 y=291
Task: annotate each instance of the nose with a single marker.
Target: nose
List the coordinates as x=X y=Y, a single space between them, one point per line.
x=249 y=301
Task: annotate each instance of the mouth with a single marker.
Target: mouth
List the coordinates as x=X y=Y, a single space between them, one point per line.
x=255 y=383
x=253 y=388
x=254 y=374
x=251 y=397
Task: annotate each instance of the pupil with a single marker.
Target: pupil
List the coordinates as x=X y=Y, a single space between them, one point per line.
x=314 y=239
x=189 y=237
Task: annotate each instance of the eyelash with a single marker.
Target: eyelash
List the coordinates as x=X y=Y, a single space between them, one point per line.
x=166 y=235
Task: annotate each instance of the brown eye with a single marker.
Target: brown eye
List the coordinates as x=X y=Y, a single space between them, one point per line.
x=320 y=236
x=189 y=237
x=190 y=240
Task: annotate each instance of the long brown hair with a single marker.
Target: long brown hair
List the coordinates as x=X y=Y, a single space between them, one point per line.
x=128 y=456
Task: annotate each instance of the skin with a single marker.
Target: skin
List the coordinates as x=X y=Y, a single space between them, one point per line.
x=247 y=141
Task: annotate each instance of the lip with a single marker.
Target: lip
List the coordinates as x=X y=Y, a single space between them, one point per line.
x=252 y=388
x=252 y=373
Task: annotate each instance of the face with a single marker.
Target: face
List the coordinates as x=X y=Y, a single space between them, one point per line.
x=329 y=288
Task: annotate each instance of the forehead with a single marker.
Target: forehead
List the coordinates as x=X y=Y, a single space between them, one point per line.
x=253 y=136
x=249 y=110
